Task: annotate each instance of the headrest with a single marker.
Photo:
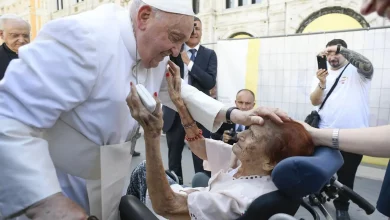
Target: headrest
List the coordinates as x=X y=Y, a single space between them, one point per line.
x=300 y=176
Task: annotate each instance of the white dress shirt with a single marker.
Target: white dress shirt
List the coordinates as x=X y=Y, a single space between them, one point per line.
x=76 y=72
x=188 y=67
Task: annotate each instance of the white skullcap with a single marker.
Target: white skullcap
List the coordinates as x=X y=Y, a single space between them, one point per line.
x=183 y=7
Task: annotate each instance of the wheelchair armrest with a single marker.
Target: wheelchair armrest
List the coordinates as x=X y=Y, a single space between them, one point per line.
x=282 y=217
x=131 y=208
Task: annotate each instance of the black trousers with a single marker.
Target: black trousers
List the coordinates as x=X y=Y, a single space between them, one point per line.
x=346 y=176
x=175 y=140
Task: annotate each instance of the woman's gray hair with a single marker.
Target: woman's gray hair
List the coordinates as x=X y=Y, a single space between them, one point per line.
x=136 y=5
x=6 y=17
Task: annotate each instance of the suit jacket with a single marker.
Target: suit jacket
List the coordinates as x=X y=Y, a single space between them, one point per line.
x=6 y=55
x=203 y=77
x=225 y=127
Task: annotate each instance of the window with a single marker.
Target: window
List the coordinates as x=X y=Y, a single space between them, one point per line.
x=242 y=2
x=256 y=1
x=229 y=3
x=60 y=5
x=195 y=6
x=77 y=1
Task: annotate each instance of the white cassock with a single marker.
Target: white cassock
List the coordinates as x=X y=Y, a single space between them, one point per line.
x=63 y=112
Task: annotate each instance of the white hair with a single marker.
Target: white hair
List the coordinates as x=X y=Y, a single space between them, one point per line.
x=7 y=17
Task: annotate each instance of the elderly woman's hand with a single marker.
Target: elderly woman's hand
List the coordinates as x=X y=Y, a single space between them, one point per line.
x=152 y=123
x=174 y=83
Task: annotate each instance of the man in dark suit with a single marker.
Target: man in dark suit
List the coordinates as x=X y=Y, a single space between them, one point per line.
x=245 y=101
x=198 y=67
x=15 y=33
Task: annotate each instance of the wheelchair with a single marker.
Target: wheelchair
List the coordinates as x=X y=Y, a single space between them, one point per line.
x=301 y=181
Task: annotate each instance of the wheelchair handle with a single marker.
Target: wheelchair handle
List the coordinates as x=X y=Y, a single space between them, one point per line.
x=355 y=198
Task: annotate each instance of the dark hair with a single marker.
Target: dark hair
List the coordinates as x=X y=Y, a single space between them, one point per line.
x=247 y=90
x=336 y=42
x=197 y=19
x=288 y=140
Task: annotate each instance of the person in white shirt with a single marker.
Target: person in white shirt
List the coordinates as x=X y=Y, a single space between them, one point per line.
x=346 y=107
x=66 y=132
x=230 y=191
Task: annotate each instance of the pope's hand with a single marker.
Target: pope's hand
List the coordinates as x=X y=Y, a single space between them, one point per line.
x=58 y=207
x=257 y=116
x=152 y=123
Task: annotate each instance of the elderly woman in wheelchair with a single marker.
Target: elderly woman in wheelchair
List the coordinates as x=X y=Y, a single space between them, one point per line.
x=230 y=191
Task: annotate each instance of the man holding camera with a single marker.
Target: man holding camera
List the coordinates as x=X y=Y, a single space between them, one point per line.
x=198 y=67
x=346 y=107
x=245 y=101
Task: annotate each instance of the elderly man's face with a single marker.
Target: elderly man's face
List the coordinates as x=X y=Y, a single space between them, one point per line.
x=16 y=34
x=160 y=35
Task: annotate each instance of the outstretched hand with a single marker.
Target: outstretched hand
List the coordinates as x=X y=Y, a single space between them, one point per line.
x=152 y=123
x=174 y=83
x=257 y=116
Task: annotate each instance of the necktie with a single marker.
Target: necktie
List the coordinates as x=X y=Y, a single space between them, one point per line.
x=193 y=51
x=192 y=58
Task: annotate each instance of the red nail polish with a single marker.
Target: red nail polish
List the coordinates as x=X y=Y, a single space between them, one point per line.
x=155 y=94
x=167 y=74
x=131 y=83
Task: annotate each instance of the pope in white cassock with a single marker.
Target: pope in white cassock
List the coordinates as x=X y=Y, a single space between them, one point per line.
x=65 y=127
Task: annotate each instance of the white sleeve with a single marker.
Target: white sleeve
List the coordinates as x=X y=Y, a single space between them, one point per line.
x=219 y=155
x=207 y=205
x=54 y=74
x=203 y=108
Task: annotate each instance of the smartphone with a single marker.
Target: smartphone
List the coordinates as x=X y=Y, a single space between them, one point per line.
x=146 y=98
x=322 y=62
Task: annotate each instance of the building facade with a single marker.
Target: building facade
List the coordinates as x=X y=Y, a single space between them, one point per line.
x=223 y=19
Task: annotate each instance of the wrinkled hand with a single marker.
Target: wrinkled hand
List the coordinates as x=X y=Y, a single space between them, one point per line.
x=256 y=116
x=185 y=58
x=58 y=207
x=382 y=7
x=152 y=123
x=174 y=83
x=226 y=137
x=321 y=75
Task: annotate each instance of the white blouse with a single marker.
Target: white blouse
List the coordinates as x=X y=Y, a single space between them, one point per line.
x=226 y=197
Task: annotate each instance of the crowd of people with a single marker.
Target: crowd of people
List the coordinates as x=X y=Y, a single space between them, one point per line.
x=62 y=157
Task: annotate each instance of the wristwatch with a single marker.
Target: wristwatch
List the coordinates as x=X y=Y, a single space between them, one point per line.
x=228 y=113
x=335 y=138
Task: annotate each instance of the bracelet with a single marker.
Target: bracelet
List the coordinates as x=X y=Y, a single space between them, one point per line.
x=198 y=136
x=335 y=138
x=322 y=88
x=190 y=125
